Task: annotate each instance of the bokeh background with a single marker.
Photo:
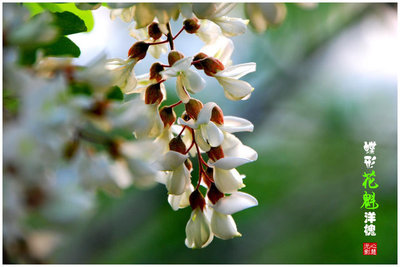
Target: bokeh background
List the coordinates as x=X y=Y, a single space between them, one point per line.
x=326 y=81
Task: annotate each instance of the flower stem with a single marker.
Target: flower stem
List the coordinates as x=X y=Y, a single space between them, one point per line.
x=157 y=43
x=184 y=127
x=176 y=104
x=170 y=37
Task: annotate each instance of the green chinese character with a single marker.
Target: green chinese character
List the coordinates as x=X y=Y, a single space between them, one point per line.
x=369 y=201
x=369 y=179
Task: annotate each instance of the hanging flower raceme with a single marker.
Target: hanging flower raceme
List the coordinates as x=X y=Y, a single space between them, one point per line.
x=202 y=129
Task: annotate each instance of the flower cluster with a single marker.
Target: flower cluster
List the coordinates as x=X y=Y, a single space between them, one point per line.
x=202 y=131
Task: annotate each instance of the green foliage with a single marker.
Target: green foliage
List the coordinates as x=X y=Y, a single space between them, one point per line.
x=80 y=89
x=69 y=23
x=62 y=47
x=115 y=93
x=85 y=15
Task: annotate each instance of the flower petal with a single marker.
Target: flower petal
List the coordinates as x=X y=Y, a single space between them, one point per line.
x=212 y=134
x=171 y=160
x=193 y=81
x=190 y=123
x=205 y=113
x=182 y=64
x=237 y=201
x=223 y=226
x=231 y=26
x=178 y=181
x=233 y=124
x=233 y=147
x=198 y=230
x=228 y=181
x=235 y=89
x=237 y=71
x=228 y=163
x=181 y=90
x=203 y=145
x=181 y=201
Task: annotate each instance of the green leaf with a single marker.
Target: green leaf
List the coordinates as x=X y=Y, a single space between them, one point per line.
x=62 y=47
x=27 y=56
x=69 y=23
x=80 y=89
x=115 y=93
x=85 y=15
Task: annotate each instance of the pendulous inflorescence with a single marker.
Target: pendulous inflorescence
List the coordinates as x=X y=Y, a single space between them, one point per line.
x=202 y=133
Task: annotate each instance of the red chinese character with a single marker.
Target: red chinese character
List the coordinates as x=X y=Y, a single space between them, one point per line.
x=369 y=249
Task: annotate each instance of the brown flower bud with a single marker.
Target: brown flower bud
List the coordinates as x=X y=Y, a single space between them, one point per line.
x=138 y=50
x=189 y=164
x=214 y=194
x=168 y=116
x=191 y=25
x=193 y=108
x=176 y=144
x=217 y=115
x=215 y=153
x=154 y=31
x=174 y=56
x=153 y=94
x=198 y=57
x=211 y=66
x=197 y=200
x=155 y=70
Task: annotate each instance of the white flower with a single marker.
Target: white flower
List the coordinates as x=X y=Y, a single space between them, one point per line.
x=222 y=224
x=124 y=75
x=181 y=201
x=234 y=88
x=187 y=80
x=96 y=74
x=231 y=26
x=144 y=119
x=179 y=176
x=216 y=13
x=210 y=134
x=198 y=230
x=221 y=49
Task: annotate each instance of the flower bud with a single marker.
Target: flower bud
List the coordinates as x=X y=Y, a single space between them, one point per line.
x=174 y=56
x=176 y=144
x=168 y=116
x=217 y=115
x=198 y=57
x=155 y=70
x=193 y=108
x=215 y=153
x=153 y=94
x=197 y=200
x=211 y=66
x=154 y=31
x=191 y=25
x=138 y=50
x=189 y=164
x=214 y=194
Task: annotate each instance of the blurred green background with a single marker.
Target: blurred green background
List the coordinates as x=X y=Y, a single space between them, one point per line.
x=326 y=82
